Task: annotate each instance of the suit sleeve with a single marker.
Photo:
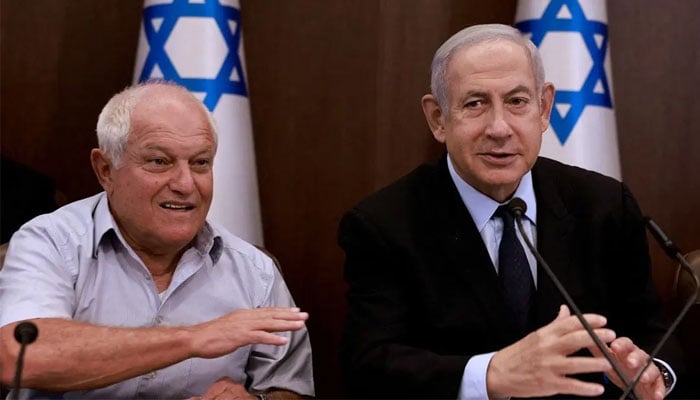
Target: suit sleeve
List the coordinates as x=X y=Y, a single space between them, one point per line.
x=381 y=350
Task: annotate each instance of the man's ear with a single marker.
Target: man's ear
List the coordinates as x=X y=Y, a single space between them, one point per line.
x=102 y=165
x=546 y=101
x=434 y=116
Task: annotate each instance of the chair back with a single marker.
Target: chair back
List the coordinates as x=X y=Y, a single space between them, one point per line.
x=683 y=283
x=3 y=250
x=688 y=330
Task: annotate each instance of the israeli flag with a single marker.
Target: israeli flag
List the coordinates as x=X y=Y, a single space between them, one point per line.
x=198 y=44
x=572 y=37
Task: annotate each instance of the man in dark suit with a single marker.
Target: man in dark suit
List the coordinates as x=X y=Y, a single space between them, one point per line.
x=431 y=312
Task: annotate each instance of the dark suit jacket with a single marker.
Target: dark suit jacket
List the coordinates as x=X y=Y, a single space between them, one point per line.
x=424 y=295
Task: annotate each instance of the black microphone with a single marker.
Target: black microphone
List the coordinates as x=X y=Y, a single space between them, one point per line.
x=517 y=208
x=25 y=333
x=673 y=252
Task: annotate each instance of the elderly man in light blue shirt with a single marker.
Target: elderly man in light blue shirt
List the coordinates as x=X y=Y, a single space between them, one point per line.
x=134 y=293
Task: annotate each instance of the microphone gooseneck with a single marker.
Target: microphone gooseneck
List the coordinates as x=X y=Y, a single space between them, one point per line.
x=675 y=253
x=669 y=247
x=25 y=333
x=517 y=207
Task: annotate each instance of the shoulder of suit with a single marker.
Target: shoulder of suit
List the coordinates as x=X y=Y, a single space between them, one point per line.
x=404 y=191
x=551 y=168
x=576 y=185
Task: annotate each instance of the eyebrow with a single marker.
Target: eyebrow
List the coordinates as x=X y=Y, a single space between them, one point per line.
x=517 y=89
x=520 y=89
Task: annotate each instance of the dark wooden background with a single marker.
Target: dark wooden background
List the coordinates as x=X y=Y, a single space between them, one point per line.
x=335 y=88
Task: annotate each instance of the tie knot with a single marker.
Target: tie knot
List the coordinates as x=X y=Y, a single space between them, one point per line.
x=503 y=212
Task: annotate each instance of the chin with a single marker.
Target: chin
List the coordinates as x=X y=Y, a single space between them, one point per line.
x=180 y=237
x=504 y=178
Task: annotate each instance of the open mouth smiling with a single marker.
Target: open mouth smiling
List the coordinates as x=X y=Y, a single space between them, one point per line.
x=177 y=206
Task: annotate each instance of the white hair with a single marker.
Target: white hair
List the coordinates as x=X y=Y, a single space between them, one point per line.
x=114 y=122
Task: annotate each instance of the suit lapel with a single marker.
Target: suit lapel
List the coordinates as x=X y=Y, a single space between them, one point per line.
x=555 y=228
x=467 y=257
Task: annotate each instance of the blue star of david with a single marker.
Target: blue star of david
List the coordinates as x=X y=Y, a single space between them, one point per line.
x=157 y=56
x=578 y=100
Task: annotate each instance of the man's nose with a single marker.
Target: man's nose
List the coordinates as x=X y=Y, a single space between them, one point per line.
x=498 y=125
x=182 y=180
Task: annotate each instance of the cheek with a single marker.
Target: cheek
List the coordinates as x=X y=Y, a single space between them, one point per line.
x=463 y=134
x=534 y=141
x=205 y=186
x=138 y=190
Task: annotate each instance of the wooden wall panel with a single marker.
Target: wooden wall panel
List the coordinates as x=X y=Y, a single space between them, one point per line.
x=335 y=92
x=656 y=74
x=61 y=61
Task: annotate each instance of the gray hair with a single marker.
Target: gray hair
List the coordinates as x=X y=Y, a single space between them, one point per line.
x=114 y=122
x=472 y=36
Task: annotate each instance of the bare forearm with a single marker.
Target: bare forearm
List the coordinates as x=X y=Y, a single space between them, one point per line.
x=70 y=355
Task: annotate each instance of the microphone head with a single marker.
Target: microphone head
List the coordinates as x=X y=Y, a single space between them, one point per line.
x=517 y=206
x=26 y=332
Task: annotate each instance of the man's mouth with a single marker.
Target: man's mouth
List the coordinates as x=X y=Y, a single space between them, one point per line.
x=498 y=154
x=177 y=206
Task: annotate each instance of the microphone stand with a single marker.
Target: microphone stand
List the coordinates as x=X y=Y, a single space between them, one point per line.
x=674 y=252
x=25 y=334
x=599 y=344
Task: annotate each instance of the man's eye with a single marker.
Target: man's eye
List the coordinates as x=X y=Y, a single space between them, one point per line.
x=158 y=161
x=517 y=101
x=201 y=164
x=473 y=104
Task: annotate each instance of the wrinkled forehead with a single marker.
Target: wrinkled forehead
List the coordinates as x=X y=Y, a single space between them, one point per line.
x=498 y=57
x=169 y=105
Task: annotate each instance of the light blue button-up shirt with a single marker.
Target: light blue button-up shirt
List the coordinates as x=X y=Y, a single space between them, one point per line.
x=482 y=208
x=74 y=264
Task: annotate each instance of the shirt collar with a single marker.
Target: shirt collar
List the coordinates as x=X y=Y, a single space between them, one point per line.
x=482 y=207
x=208 y=240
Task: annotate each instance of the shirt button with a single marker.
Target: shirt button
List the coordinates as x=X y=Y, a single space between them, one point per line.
x=159 y=320
x=150 y=376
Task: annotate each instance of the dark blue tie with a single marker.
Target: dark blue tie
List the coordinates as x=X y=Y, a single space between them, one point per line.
x=514 y=271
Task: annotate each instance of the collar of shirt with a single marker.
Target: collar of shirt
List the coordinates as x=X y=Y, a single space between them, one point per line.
x=482 y=207
x=206 y=241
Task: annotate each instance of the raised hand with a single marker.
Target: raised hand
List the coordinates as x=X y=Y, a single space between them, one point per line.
x=540 y=363
x=631 y=358
x=243 y=327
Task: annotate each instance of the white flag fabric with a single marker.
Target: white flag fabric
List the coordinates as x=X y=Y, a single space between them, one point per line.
x=572 y=37
x=198 y=44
